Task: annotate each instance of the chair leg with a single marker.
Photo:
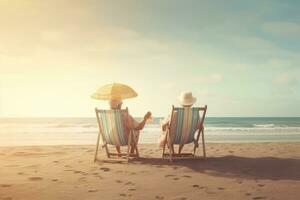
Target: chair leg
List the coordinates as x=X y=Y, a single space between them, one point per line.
x=164 y=146
x=97 y=147
x=106 y=150
x=170 y=146
x=196 y=142
x=129 y=146
x=203 y=144
x=195 y=148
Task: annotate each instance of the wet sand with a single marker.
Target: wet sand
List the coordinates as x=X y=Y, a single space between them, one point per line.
x=231 y=171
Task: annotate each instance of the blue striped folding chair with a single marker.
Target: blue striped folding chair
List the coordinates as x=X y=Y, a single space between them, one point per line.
x=183 y=128
x=112 y=131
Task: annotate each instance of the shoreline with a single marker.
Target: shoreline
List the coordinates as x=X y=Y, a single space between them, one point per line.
x=156 y=144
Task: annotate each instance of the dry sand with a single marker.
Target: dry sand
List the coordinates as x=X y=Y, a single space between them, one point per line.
x=231 y=171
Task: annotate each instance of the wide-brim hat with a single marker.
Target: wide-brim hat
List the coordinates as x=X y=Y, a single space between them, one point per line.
x=187 y=99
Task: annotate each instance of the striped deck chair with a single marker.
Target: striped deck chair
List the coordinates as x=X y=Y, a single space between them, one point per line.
x=182 y=129
x=112 y=132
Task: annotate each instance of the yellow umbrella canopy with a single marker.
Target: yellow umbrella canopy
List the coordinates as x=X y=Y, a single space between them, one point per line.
x=114 y=91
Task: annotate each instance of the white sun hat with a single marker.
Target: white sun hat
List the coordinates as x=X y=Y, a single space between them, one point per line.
x=187 y=99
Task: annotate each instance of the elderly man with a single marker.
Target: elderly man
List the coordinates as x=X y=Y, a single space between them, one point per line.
x=186 y=99
x=130 y=121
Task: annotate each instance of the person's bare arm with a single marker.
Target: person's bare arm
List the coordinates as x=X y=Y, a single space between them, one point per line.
x=164 y=126
x=141 y=125
x=165 y=123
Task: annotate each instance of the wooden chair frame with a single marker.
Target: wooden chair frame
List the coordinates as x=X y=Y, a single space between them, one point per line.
x=131 y=142
x=171 y=154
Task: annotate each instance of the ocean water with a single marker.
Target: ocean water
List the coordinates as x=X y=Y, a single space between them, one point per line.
x=69 y=131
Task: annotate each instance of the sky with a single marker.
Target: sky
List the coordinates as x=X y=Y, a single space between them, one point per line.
x=241 y=58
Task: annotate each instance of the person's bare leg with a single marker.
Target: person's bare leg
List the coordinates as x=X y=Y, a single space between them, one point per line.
x=180 y=148
x=173 y=150
x=133 y=147
x=118 y=149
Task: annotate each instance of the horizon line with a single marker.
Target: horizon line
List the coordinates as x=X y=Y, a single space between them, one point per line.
x=65 y=117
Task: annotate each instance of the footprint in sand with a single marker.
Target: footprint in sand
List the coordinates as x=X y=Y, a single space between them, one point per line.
x=123 y=195
x=92 y=190
x=231 y=151
x=35 y=178
x=82 y=179
x=186 y=176
x=159 y=197
x=105 y=169
x=5 y=185
x=129 y=183
x=20 y=173
x=132 y=189
x=55 y=180
x=248 y=194
x=11 y=166
x=197 y=186
x=77 y=172
x=7 y=198
x=221 y=188
x=257 y=198
x=210 y=192
x=169 y=175
x=261 y=185
x=176 y=179
x=118 y=181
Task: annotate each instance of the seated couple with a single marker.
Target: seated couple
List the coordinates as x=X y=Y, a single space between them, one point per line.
x=186 y=99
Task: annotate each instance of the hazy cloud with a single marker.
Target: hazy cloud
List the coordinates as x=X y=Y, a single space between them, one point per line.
x=286 y=79
x=282 y=28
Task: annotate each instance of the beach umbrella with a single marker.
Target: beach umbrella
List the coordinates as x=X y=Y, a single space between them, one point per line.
x=114 y=91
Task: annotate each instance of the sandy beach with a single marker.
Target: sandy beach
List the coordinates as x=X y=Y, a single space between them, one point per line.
x=231 y=171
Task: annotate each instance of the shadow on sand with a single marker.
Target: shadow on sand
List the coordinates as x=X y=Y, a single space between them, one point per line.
x=231 y=166
x=239 y=167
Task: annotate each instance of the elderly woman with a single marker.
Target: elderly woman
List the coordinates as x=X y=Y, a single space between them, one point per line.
x=130 y=121
x=186 y=99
